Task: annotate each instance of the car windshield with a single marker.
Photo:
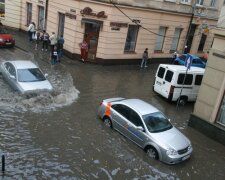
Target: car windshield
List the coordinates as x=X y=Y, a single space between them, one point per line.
x=182 y=57
x=30 y=75
x=157 y=122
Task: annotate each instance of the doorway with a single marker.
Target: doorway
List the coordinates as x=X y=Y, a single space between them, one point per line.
x=61 y=24
x=190 y=38
x=91 y=36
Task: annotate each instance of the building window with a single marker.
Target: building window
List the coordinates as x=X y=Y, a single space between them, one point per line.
x=29 y=13
x=2 y=8
x=221 y=114
x=131 y=38
x=61 y=24
x=41 y=18
x=160 y=39
x=176 y=39
x=185 y=1
x=212 y=3
x=199 y=2
x=202 y=43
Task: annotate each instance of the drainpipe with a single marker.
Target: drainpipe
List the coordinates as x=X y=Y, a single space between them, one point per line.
x=46 y=13
x=189 y=27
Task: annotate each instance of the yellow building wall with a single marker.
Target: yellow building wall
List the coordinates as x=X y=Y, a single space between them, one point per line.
x=12 y=14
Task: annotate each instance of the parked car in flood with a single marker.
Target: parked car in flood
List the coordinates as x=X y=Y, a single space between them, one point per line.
x=196 y=61
x=24 y=76
x=6 y=39
x=146 y=126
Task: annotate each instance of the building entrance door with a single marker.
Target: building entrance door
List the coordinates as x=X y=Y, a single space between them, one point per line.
x=91 y=37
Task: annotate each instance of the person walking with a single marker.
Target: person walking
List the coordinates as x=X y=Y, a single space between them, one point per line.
x=144 y=58
x=31 y=31
x=53 y=41
x=83 y=50
x=45 y=39
x=60 y=47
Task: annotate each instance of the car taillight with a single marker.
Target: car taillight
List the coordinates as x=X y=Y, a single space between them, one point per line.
x=172 y=89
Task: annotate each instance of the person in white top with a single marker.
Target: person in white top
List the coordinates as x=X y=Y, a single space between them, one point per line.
x=53 y=40
x=31 y=30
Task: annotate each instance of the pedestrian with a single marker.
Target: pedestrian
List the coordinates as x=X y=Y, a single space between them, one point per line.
x=53 y=41
x=175 y=56
x=31 y=31
x=45 y=39
x=83 y=50
x=205 y=56
x=60 y=47
x=54 y=56
x=144 y=58
x=37 y=38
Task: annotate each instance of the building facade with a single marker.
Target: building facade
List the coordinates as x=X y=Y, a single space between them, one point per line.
x=209 y=111
x=10 y=13
x=118 y=31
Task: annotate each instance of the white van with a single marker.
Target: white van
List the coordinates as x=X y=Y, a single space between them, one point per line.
x=169 y=81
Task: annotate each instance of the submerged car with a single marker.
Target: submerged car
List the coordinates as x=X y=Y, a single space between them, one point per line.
x=24 y=76
x=6 y=39
x=196 y=61
x=146 y=126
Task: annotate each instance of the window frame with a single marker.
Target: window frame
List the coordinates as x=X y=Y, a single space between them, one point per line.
x=180 y=81
x=29 y=13
x=3 y=12
x=135 y=39
x=160 y=39
x=199 y=2
x=175 y=40
x=213 y=3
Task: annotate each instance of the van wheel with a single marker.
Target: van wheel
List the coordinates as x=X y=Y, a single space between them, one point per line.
x=183 y=100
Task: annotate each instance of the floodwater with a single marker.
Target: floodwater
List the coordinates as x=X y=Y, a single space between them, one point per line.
x=59 y=135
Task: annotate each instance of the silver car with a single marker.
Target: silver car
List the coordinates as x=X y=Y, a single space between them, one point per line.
x=147 y=127
x=24 y=76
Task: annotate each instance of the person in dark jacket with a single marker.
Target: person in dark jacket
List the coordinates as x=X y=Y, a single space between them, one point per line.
x=144 y=58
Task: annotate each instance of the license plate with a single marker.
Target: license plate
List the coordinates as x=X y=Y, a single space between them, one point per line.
x=8 y=43
x=185 y=157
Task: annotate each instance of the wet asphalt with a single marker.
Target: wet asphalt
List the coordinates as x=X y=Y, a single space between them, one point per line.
x=59 y=136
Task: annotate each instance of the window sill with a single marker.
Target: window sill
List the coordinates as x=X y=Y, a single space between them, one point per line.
x=130 y=52
x=158 y=51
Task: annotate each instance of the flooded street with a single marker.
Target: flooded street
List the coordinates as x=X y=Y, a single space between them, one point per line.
x=59 y=135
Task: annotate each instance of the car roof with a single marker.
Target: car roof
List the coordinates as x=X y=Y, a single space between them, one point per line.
x=141 y=106
x=23 y=64
x=193 y=56
x=181 y=68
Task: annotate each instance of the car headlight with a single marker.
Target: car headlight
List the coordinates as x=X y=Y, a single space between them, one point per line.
x=170 y=152
x=189 y=147
x=1 y=40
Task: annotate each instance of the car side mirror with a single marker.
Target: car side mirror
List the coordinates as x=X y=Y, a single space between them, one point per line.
x=12 y=77
x=140 y=128
x=46 y=75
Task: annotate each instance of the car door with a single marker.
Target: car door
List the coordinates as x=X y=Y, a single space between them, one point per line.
x=134 y=133
x=120 y=116
x=10 y=75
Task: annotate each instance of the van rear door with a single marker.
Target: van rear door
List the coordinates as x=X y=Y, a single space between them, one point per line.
x=159 y=79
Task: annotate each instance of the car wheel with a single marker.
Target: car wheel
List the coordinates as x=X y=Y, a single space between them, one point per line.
x=152 y=153
x=108 y=122
x=183 y=101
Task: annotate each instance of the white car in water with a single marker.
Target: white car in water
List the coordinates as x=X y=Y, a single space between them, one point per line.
x=24 y=76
